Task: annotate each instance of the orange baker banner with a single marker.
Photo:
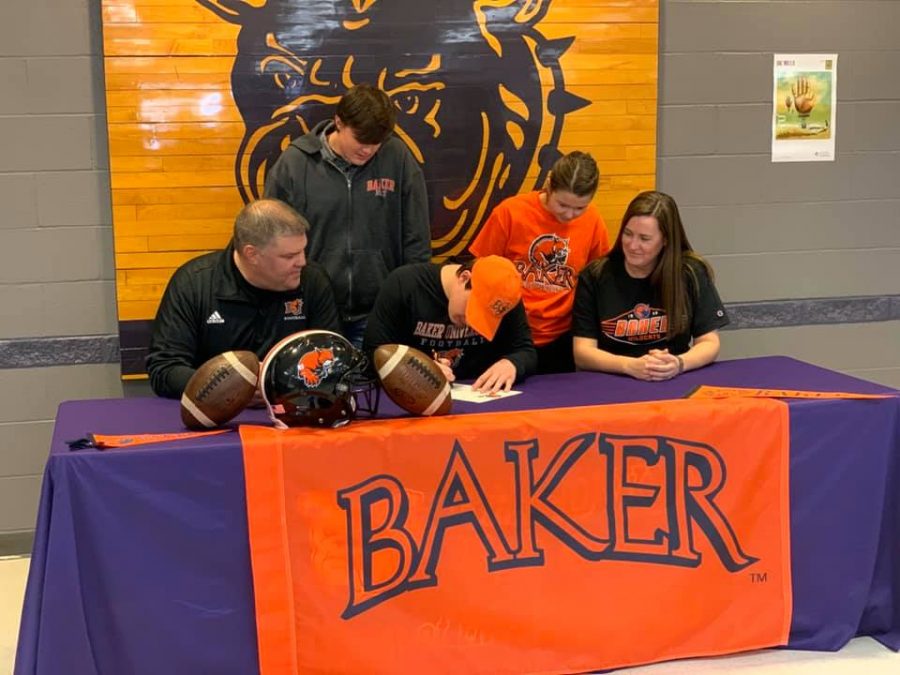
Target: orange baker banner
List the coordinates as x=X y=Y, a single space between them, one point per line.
x=109 y=441
x=708 y=391
x=554 y=541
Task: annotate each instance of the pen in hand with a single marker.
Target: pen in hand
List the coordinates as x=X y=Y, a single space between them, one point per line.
x=444 y=365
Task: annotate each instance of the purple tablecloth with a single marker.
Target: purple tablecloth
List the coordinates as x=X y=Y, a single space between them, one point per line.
x=141 y=562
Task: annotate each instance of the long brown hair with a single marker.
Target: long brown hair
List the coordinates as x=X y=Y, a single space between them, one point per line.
x=674 y=261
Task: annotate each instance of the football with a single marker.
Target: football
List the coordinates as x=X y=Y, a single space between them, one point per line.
x=412 y=380
x=219 y=389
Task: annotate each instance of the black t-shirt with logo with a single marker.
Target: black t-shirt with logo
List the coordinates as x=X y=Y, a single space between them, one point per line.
x=625 y=314
x=412 y=310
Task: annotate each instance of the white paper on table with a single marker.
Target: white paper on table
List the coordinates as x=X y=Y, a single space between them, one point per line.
x=464 y=392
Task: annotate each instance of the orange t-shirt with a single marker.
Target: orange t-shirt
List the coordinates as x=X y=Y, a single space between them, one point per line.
x=548 y=255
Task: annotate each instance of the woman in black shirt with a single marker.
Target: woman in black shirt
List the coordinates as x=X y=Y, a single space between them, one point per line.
x=649 y=309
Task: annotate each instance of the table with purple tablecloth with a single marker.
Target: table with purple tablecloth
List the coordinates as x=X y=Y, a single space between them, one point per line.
x=141 y=561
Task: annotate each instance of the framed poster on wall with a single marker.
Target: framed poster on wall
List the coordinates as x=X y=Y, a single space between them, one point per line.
x=804 y=107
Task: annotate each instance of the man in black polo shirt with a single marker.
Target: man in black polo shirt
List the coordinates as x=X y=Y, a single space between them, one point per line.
x=250 y=295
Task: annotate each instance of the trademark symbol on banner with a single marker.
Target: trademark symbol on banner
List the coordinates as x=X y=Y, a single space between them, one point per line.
x=759 y=577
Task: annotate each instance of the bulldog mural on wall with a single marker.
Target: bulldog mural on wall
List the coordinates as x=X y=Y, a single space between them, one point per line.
x=479 y=91
x=203 y=95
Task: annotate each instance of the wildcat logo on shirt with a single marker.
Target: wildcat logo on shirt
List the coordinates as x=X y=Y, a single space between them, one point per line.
x=380 y=186
x=293 y=309
x=642 y=324
x=546 y=267
x=316 y=365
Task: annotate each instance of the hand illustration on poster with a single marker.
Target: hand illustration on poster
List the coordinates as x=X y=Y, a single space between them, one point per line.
x=807 y=107
x=804 y=98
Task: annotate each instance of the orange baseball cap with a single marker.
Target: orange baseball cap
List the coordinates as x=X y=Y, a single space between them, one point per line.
x=496 y=289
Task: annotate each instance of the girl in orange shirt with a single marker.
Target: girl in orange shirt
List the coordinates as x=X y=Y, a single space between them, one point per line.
x=550 y=235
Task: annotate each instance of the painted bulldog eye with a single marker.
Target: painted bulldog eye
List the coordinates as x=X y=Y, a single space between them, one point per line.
x=418 y=106
x=407 y=103
x=290 y=83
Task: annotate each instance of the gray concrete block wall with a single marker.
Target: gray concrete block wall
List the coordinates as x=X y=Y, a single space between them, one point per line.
x=787 y=231
x=56 y=262
x=858 y=349
x=30 y=399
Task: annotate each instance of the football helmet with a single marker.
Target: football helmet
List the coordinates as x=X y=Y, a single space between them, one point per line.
x=317 y=378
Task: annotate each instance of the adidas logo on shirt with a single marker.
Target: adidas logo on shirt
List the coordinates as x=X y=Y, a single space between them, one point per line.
x=215 y=317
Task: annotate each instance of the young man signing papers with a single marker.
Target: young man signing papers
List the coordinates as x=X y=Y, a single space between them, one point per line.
x=469 y=317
